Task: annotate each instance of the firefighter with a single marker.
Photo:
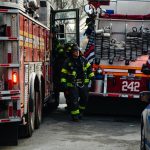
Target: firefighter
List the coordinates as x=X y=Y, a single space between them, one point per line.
x=60 y=57
x=76 y=74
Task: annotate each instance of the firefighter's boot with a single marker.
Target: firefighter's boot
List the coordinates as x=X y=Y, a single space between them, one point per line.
x=81 y=109
x=81 y=114
x=75 y=118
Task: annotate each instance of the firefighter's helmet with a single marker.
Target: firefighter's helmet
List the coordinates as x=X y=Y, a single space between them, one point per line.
x=68 y=47
x=74 y=47
x=60 y=51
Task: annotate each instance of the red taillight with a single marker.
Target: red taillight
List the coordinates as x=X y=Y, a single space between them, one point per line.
x=14 y=77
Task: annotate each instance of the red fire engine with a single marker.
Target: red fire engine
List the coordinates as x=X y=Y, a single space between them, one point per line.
x=25 y=77
x=122 y=46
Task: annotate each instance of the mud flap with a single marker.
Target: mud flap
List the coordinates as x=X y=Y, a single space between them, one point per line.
x=9 y=134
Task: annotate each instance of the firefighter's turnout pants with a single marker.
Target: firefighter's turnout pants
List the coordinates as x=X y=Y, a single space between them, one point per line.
x=77 y=99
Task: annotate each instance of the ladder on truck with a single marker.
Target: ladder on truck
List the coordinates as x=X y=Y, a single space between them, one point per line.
x=10 y=106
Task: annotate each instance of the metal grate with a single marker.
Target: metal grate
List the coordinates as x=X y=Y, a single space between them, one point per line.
x=26 y=97
x=14 y=25
x=38 y=67
x=31 y=68
x=26 y=74
x=15 y=52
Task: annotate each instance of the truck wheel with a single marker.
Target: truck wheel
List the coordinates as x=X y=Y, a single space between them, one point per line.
x=30 y=122
x=38 y=110
x=27 y=129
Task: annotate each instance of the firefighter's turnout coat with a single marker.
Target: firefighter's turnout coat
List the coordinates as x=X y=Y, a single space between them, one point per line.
x=71 y=72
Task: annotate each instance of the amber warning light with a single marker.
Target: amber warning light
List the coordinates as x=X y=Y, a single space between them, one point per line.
x=14 y=77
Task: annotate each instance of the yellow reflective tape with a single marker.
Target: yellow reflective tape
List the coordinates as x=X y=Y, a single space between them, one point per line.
x=57 y=46
x=26 y=34
x=30 y=35
x=74 y=73
x=86 y=80
x=61 y=50
x=20 y=43
x=88 y=65
x=76 y=112
x=69 y=84
x=64 y=71
x=63 y=80
x=91 y=75
x=21 y=32
x=69 y=64
x=84 y=68
x=82 y=107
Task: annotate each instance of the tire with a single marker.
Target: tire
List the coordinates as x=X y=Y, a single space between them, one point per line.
x=38 y=110
x=30 y=122
x=142 y=145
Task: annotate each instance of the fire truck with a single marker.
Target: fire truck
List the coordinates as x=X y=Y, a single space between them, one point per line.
x=122 y=48
x=25 y=69
x=26 y=63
